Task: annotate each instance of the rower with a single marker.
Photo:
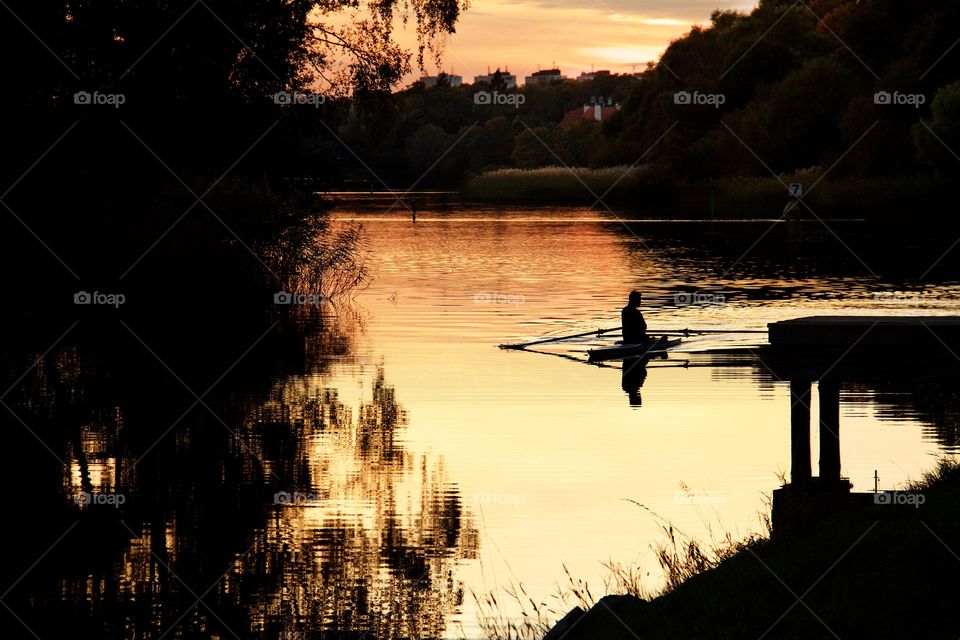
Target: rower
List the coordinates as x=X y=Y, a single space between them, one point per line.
x=633 y=324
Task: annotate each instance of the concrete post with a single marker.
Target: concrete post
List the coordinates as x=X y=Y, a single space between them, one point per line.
x=799 y=431
x=829 y=430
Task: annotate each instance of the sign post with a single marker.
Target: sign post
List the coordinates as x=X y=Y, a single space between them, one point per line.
x=795 y=189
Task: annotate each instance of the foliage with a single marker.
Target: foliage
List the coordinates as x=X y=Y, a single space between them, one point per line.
x=198 y=80
x=184 y=50
x=478 y=136
x=939 y=138
x=799 y=85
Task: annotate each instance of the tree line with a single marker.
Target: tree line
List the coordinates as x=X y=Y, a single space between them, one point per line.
x=862 y=88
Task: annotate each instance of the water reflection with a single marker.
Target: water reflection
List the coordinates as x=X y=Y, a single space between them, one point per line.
x=935 y=404
x=366 y=539
x=272 y=510
x=314 y=493
x=633 y=376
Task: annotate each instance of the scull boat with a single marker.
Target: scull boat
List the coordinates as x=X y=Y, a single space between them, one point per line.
x=631 y=350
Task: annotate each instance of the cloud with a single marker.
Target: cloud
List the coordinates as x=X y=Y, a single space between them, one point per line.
x=619 y=56
x=689 y=11
x=573 y=34
x=656 y=22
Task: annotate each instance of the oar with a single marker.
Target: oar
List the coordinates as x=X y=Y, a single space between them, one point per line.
x=680 y=332
x=688 y=332
x=521 y=345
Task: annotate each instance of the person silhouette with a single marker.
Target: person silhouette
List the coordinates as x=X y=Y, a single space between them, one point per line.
x=633 y=326
x=634 y=375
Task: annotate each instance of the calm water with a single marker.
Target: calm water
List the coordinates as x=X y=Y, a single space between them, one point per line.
x=375 y=474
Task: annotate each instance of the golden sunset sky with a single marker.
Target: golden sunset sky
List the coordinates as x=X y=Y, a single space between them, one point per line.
x=609 y=34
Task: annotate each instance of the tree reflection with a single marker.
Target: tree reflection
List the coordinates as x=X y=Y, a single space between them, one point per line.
x=936 y=404
x=187 y=541
x=367 y=541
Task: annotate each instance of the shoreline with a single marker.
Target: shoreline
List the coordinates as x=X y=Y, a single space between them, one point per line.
x=876 y=571
x=649 y=190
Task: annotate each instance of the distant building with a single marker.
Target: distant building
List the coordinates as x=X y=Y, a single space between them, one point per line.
x=593 y=75
x=544 y=76
x=507 y=79
x=449 y=79
x=598 y=109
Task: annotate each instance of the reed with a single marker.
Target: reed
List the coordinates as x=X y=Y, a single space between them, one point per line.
x=680 y=557
x=862 y=560
x=295 y=241
x=555 y=184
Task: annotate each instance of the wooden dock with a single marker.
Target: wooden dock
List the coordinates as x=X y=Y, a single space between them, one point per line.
x=864 y=348
x=867 y=332
x=832 y=351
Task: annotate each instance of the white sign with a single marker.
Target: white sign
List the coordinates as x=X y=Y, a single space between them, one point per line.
x=796 y=189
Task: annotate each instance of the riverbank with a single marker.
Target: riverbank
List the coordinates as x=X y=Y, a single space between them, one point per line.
x=651 y=189
x=239 y=234
x=881 y=572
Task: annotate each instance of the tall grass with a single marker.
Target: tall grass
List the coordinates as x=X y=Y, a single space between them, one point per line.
x=313 y=256
x=249 y=234
x=896 y=569
x=536 y=617
x=299 y=246
x=554 y=184
x=680 y=557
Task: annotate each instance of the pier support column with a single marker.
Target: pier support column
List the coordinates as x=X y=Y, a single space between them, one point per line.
x=829 y=430
x=799 y=431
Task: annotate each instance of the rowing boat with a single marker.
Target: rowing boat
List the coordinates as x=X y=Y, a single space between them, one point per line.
x=631 y=350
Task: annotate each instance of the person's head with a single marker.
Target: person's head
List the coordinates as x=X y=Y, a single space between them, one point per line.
x=635 y=299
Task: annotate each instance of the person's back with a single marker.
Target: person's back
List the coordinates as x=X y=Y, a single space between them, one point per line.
x=633 y=325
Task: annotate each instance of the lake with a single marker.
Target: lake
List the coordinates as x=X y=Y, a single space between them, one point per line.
x=404 y=464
